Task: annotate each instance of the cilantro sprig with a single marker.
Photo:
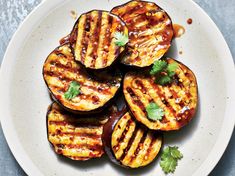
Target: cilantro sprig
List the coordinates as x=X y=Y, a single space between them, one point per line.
x=163 y=71
x=154 y=112
x=121 y=39
x=73 y=90
x=169 y=159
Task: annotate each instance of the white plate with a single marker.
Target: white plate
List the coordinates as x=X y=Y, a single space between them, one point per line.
x=24 y=96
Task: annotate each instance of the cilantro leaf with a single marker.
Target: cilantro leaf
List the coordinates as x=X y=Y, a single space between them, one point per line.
x=175 y=153
x=158 y=67
x=121 y=39
x=154 y=112
x=163 y=72
x=172 y=67
x=169 y=159
x=73 y=90
x=168 y=164
x=163 y=80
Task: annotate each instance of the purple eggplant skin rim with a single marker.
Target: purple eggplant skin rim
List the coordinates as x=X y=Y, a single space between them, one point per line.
x=198 y=98
x=49 y=109
x=107 y=135
x=72 y=41
x=98 y=110
x=123 y=54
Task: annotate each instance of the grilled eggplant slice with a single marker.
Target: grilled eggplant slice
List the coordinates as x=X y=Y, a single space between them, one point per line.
x=60 y=70
x=93 y=39
x=178 y=99
x=74 y=136
x=129 y=143
x=150 y=32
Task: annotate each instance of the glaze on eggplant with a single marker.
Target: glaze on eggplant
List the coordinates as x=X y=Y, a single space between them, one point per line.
x=150 y=32
x=128 y=143
x=178 y=100
x=75 y=136
x=60 y=70
x=93 y=39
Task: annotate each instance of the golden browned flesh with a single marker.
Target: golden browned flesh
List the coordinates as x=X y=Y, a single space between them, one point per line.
x=94 y=39
x=60 y=70
x=178 y=100
x=73 y=136
x=150 y=32
x=134 y=145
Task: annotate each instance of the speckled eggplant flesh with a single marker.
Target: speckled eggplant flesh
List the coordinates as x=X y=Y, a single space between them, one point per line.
x=129 y=143
x=75 y=136
x=60 y=70
x=93 y=39
x=178 y=100
x=150 y=32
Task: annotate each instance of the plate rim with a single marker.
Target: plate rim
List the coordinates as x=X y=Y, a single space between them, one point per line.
x=206 y=167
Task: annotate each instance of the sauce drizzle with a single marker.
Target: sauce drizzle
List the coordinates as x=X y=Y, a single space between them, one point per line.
x=190 y=21
x=178 y=30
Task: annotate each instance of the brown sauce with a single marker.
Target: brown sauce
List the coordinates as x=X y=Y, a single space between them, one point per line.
x=73 y=14
x=190 y=21
x=65 y=40
x=178 y=30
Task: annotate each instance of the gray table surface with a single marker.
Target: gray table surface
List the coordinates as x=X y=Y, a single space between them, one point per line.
x=12 y=12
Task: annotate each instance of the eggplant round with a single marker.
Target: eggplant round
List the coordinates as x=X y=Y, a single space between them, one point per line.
x=178 y=100
x=128 y=143
x=150 y=32
x=60 y=70
x=75 y=136
x=93 y=39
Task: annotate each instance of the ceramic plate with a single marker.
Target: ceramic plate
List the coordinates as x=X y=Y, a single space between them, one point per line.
x=24 y=96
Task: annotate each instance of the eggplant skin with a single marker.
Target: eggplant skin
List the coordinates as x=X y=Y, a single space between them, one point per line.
x=60 y=69
x=150 y=32
x=93 y=39
x=74 y=136
x=179 y=99
x=130 y=144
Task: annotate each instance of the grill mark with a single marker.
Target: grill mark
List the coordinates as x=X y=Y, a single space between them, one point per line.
x=94 y=53
x=67 y=67
x=137 y=20
x=123 y=135
x=104 y=91
x=74 y=134
x=140 y=84
x=96 y=147
x=81 y=95
x=153 y=140
x=136 y=9
x=133 y=20
x=162 y=96
x=75 y=124
x=165 y=102
x=84 y=44
x=176 y=96
x=107 y=42
x=182 y=86
x=58 y=76
x=65 y=115
x=67 y=79
x=129 y=143
x=136 y=100
x=140 y=145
